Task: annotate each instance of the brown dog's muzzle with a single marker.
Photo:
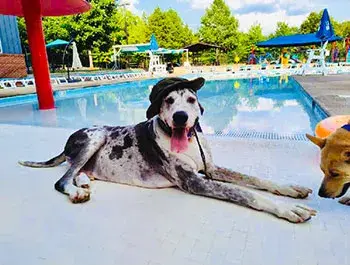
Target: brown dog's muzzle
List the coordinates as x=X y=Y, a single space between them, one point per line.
x=322 y=192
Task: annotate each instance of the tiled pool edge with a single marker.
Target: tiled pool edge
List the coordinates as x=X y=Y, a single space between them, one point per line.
x=313 y=103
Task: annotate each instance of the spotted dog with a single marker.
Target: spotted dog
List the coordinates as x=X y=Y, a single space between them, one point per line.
x=167 y=150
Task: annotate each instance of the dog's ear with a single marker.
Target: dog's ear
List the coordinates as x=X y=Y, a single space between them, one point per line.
x=201 y=108
x=320 y=142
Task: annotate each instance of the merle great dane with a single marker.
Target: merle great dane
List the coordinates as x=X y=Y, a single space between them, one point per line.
x=167 y=150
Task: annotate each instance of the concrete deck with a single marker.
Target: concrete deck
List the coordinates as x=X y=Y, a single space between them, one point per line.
x=331 y=92
x=131 y=226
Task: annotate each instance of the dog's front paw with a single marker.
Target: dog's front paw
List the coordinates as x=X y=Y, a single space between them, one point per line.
x=295 y=213
x=345 y=200
x=293 y=191
x=79 y=195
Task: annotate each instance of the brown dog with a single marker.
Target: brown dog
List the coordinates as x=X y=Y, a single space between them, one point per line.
x=335 y=163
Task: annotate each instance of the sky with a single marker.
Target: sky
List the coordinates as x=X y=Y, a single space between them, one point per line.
x=248 y=12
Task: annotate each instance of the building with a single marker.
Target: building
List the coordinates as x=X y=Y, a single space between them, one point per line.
x=12 y=62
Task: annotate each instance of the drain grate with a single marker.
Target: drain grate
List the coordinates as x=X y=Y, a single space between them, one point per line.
x=263 y=135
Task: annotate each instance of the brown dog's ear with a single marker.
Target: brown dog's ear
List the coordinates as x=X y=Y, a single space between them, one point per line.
x=317 y=141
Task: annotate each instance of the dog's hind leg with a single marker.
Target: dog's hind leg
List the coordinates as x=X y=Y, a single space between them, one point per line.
x=66 y=184
x=189 y=181
x=227 y=175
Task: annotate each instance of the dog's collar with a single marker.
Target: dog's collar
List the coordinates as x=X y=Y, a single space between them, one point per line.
x=346 y=127
x=165 y=127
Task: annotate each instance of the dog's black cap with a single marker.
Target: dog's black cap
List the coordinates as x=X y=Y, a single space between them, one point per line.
x=167 y=85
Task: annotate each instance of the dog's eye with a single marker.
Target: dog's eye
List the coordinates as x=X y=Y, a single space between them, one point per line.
x=169 y=100
x=191 y=100
x=333 y=174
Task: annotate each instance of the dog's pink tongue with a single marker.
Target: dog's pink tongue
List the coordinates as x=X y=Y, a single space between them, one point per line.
x=179 y=141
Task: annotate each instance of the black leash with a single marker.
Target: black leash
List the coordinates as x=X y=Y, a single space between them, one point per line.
x=166 y=128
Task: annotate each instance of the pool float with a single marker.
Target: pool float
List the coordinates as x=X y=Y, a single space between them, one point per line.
x=329 y=125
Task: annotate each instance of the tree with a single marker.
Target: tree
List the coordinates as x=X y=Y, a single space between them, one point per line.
x=218 y=26
x=283 y=29
x=247 y=40
x=311 y=23
x=169 y=29
x=93 y=29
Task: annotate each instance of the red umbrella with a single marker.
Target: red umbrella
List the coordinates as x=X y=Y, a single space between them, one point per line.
x=33 y=11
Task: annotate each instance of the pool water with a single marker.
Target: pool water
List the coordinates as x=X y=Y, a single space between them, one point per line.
x=264 y=108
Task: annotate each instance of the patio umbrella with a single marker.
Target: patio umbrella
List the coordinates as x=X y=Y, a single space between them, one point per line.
x=33 y=11
x=325 y=31
x=153 y=43
x=56 y=43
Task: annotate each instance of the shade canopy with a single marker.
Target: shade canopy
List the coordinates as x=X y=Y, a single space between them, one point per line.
x=139 y=48
x=295 y=40
x=48 y=7
x=201 y=46
x=56 y=43
x=169 y=51
x=325 y=33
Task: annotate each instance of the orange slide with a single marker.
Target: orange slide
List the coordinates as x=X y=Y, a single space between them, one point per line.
x=329 y=125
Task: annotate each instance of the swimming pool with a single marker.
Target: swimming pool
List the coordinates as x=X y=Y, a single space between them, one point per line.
x=270 y=108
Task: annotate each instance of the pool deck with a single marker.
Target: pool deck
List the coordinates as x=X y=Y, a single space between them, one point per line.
x=331 y=92
x=125 y=225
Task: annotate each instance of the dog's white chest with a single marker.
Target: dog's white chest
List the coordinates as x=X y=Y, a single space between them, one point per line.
x=191 y=156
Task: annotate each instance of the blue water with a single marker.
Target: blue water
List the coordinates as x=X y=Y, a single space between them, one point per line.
x=269 y=105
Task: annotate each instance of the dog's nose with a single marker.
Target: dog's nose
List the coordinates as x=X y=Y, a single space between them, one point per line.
x=322 y=192
x=180 y=118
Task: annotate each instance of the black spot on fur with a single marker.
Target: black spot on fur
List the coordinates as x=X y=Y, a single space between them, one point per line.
x=147 y=146
x=130 y=156
x=115 y=134
x=76 y=143
x=127 y=142
x=116 y=153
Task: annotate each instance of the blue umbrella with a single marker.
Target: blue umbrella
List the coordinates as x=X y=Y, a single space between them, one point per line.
x=57 y=42
x=325 y=31
x=153 y=43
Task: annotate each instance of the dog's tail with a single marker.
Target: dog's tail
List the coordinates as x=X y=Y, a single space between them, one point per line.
x=53 y=162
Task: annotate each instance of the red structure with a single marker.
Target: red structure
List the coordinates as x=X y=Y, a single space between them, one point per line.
x=33 y=11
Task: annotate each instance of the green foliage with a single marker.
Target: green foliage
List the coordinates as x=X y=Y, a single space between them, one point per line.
x=169 y=29
x=311 y=23
x=283 y=29
x=219 y=26
x=108 y=24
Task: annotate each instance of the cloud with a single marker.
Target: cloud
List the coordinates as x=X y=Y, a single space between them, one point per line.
x=260 y=8
x=265 y=12
x=268 y=21
x=292 y=7
x=130 y=5
x=197 y=4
